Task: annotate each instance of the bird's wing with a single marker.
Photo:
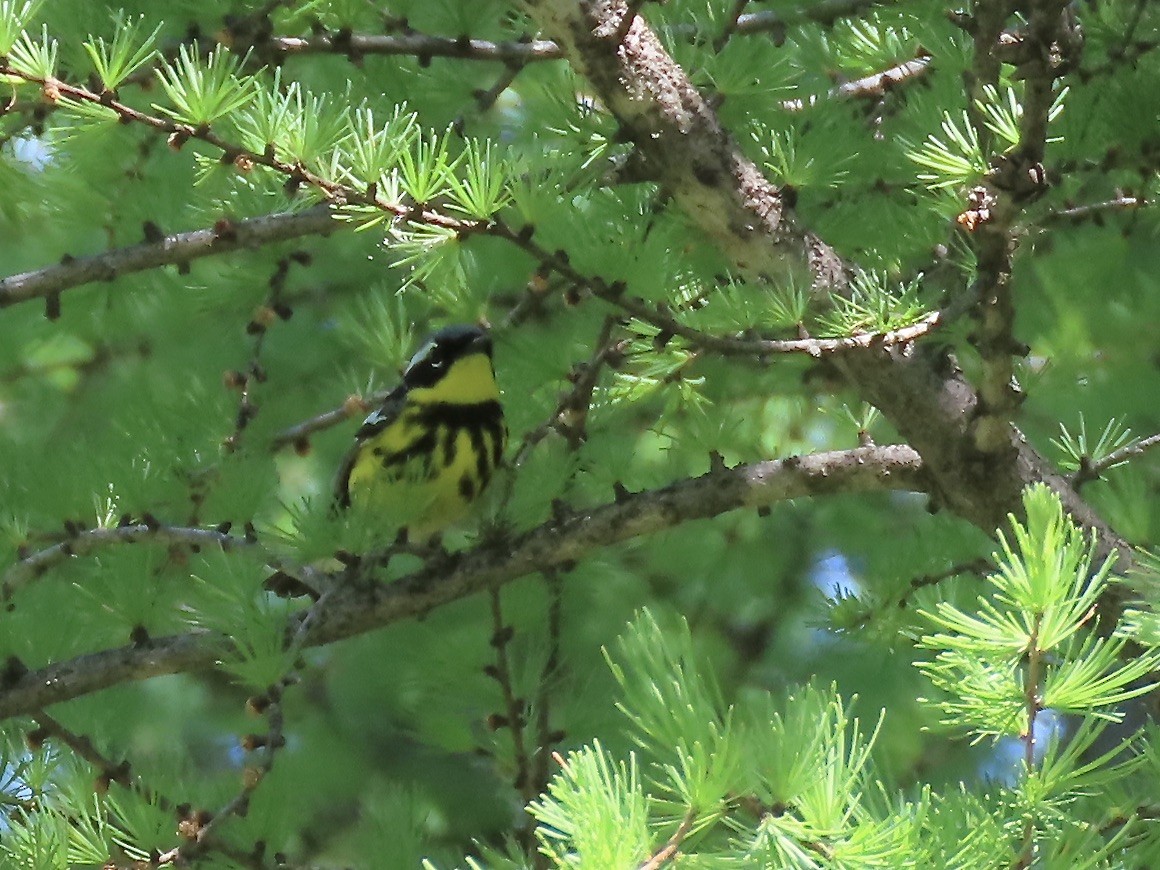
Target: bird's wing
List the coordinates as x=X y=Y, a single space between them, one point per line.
x=386 y=414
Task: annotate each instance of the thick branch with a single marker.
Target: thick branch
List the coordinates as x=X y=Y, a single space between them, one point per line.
x=724 y=194
x=358 y=608
x=173 y=249
x=684 y=146
x=1016 y=179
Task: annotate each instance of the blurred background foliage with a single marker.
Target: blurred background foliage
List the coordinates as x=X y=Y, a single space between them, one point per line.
x=121 y=405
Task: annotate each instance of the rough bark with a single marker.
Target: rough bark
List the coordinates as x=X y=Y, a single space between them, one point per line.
x=685 y=148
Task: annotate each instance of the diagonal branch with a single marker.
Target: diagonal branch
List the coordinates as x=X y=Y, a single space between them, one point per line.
x=672 y=847
x=298 y=435
x=659 y=317
x=357 y=608
x=244 y=159
x=685 y=148
x=1093 y=470
x=178 y=248
x=874 y=85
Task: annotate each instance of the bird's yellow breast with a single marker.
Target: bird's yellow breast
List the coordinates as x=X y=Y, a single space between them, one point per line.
x=426 y=466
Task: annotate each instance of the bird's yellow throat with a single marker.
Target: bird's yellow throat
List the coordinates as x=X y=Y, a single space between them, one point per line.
x=469 y=381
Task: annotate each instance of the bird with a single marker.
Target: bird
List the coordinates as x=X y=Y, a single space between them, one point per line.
x=422 y=457
x=427 y=453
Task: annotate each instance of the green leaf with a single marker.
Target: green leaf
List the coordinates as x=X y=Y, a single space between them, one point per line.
x=203 y=92
x=481 y=192
x=1078 y=451
x=955 y=160
x=371 y=152
x=595 y=814
x=35 y=59
x=871 y=305
x=117 y=60
x=425 y=169
x=14 y=18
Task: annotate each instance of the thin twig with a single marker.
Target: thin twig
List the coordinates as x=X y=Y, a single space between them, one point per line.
x=423 y=45
x=244 y=159
x=203 y=836
x=273 y=740
x=485 y=97
x=270 y=312
x=1093 y=470
x=874 y=85
x=823 y=12
x=544 y=735
x=121 y=774
x=577 y=397
x=978 y=567
x=660 y=318
x=515 y=709
x=671 y=849
x=1077 y=213
x=298 y=435
x=1034 y=705
x=419 y=45
x=82 y=746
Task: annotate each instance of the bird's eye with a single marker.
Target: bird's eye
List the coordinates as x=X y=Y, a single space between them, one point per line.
x=435 y=363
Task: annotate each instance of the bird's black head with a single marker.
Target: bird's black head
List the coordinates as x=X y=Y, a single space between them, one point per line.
x=439 y=352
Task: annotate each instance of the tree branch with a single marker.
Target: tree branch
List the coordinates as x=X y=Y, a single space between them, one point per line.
x=178 y=248
x=874 y=85
x=1093 y=470
x=244 y=159
x=519 y=52
x=685 y=148
x=357 y=608
x=683 y=144
x=1095 y=210
x=299 y=434
x=731 y=345
x=823 y=12
x=671 y=849
x=1016 y=179
x=37 y=564
x=419 y=45
x=109 y=772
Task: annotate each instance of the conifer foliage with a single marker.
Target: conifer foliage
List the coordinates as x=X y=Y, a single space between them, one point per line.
x=825 y=333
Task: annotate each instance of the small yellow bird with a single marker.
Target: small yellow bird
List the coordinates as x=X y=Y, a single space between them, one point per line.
x=427 y=453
